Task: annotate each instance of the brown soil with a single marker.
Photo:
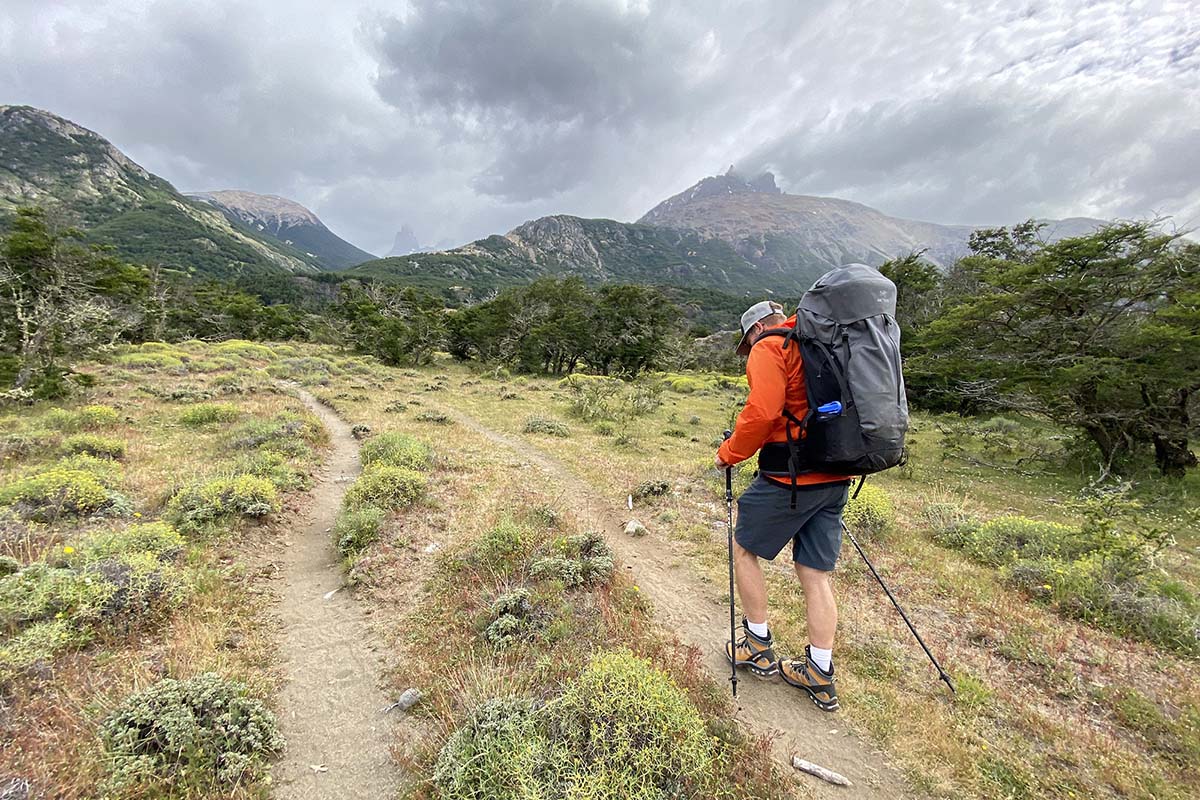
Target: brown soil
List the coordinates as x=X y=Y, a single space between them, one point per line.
x=682 y=606
x=331 y=708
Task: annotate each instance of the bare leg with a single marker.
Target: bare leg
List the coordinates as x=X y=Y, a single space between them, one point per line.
x=751 y=585
x=818 y=598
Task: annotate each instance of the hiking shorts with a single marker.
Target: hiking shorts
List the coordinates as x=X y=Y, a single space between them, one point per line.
x=766 y=521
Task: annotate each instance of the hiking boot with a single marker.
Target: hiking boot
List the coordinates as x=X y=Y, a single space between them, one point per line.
x=754 y=653
x=805 y=674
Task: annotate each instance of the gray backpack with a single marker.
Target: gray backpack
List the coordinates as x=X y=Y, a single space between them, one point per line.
x=857 y=410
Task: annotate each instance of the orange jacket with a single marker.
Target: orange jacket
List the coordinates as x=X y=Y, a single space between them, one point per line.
x=776 y=378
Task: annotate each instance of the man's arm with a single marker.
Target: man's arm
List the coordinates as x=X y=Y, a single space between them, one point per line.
x=767 y=375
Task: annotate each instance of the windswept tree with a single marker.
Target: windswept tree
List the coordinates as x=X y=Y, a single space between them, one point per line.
x=59 y=299
x=398 y=325
x=1099 y=332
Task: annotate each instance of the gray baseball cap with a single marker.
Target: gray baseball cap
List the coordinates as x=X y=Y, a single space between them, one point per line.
x=754 y=313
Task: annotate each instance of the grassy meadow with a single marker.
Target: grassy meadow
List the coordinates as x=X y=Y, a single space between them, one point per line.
x=137 y=524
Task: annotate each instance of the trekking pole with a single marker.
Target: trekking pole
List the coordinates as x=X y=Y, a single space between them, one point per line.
x=729 y=518
x=903 y=616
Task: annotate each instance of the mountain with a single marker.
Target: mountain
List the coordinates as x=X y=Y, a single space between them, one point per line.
x=85 y=181
x=597 y=250
x=287 y=221
x=806 y=235
x=406 y=242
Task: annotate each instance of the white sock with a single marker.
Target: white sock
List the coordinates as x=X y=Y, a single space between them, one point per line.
x=821 y=657
x=759 y=629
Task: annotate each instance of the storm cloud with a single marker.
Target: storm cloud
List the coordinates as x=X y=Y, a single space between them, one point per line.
x=467 y=118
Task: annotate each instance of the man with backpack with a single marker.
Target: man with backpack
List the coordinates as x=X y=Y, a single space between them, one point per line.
x=817 y=417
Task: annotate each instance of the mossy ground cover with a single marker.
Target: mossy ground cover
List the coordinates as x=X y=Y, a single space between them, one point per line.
x=129 y=517
x=1034 y=716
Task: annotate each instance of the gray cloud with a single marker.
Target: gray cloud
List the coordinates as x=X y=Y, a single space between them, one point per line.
x=466 y=118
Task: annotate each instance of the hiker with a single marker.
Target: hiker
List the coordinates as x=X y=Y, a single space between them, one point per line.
x=773 y=512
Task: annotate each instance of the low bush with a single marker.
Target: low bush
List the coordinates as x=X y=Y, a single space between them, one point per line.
x=581 y=560
x=208 y=413
x=546 y=426
x=436 y=417
x=394 y=407
x=623 y=728
x=511 y=618
x=648 y=489
x=498 y=753
x=290 y=434
x=355 y=529
x=274 y=466
x=107 y=471
x=150 y=361
x=61 y=419
x=389 y=488
x=871 y=514
x=244 y=349
x=504 y=547
x=1006 y=540
x=195 y=507
x=189 y=734
x=395 y=450
x=98 y=416
x=57 y=492
x=93 y=444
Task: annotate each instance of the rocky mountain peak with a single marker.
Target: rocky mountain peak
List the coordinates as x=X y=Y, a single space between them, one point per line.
x=271 y=211
x=405 y=243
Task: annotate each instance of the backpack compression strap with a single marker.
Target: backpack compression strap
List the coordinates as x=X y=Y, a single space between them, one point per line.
x=793 y=441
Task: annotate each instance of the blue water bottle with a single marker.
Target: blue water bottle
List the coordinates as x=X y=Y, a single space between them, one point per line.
x=829 y=410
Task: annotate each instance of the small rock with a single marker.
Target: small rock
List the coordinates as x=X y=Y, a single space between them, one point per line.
x=408 y=699
x=635 y=528
x=432 y=547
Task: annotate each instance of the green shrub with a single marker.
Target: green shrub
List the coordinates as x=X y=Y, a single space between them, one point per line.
x=949 y=523
x=871 y=514
x=511 y=615
x=244 y=349
x=24 y=443
x=208 y=413
x=547 y=426
x=98 y=416
x=395 y=450
x=605 y=428
x=499 y=753
x=290 y=434
x=394 y=407
x=192 y=508
x=436 y=417
x=56 y=492
x=150 y=361
x=1006 y=539
x=198 y=733
x=41 y=592
x=107 y=471
x=647 y=489
x=385 y=487
x=503 y=547
x=36 y=644
x=623 y=729
x=60 y=419
x=566 y=571
x=157 y=539
x=94 y=445
x=581 y=560
x=356 y=528
x=274 y=466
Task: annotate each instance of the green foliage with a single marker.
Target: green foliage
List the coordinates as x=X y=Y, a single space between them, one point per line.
x=105 y=470
x=189 y=734
x=504 y=546
x=871 y=514
x=396 y=450
x=274 y=466
x=386 y=487
x=625 y=730
x=355 y=529
x=56 y=492
x=194 y=508
x=575 y=561
x=208 y=413
x=546 y=426
x=149 y=361
x=290 y=434
x=109 y=577
x=98 y=416
x=1100 y=333
x=498 y=753
x=1175 y=736
x=621 y=729
x=1099 y=572
x=435 y=417
x=93 y=444
x=244 y=349
x=512 y=618
x=397 y=325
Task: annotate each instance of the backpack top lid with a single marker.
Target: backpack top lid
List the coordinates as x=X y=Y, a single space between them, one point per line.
x=851 y=293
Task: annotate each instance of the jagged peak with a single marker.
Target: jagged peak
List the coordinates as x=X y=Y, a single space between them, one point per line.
x=263 y=207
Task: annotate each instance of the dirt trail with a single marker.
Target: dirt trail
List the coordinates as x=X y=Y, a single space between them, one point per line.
x=331 y=706
x=677 y=596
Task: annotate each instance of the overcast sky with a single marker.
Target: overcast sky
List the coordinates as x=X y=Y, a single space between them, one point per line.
x=466 y=118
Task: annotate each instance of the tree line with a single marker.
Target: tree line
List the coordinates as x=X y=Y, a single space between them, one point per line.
x=1099 y=333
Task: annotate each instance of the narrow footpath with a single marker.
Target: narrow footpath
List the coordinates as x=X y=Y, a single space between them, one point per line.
x=766 y=706
x=331 y=708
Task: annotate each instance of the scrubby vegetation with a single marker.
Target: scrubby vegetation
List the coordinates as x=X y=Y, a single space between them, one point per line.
x=193 y=734
x=195 y=508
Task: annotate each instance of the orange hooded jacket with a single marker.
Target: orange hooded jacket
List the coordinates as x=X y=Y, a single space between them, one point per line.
x=776 y=378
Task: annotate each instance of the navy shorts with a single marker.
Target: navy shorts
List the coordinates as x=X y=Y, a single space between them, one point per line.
x=766 y=521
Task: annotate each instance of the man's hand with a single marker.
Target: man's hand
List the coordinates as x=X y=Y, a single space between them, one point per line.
x=721 y=464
